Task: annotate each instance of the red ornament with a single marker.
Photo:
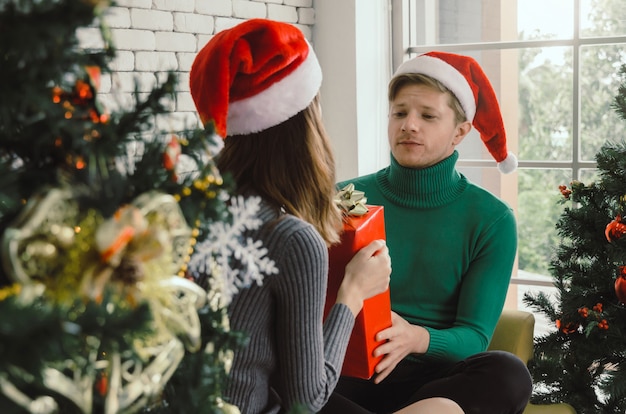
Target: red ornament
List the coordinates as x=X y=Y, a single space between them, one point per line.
x=565 y=192
x=80 y=102
x=171 y=154
x=94 y=73
x=620 y=285
x=615 y=229
x=102 y=384
x=567 y=328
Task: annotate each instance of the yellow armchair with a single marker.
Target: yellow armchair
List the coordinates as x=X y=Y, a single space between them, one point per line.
x=514 y=333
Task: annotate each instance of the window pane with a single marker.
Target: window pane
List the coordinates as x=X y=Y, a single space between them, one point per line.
x=461 y=21
x=545 y=103
x=466 y=21
x=538 y=210
x=602 y=18
x=543 y=325
x=599 y=81
x=589 y=175
x=545 y=19
x=536 y=87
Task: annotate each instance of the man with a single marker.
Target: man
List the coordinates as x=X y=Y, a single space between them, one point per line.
x=452 y=246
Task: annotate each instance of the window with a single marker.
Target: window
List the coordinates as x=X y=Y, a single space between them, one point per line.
x=554 y=65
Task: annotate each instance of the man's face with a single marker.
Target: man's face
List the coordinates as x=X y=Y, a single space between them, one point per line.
x=422 y=130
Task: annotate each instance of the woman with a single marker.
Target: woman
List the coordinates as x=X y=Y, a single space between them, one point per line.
x=258 y=83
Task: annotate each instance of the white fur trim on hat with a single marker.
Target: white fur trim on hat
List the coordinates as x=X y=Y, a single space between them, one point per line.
x=279 y=102
x=509 y=164
x=445 y=73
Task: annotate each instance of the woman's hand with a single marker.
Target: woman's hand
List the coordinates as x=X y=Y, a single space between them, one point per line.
x=367 y=275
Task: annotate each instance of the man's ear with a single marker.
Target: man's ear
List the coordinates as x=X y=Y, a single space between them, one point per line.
x=461 y=132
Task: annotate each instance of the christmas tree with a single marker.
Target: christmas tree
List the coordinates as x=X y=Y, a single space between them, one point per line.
x=116 y=238
x=583 y=361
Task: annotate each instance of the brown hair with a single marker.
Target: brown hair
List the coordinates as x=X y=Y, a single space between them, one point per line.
x=399 y=81
x=291 y=165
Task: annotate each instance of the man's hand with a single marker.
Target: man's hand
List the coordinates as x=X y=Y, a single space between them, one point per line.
x=402 y=339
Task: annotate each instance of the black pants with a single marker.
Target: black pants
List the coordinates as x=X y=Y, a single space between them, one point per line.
x=493 y=382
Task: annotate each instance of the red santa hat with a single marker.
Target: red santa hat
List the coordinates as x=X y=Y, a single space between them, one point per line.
x=464 y=77
x=254 y=76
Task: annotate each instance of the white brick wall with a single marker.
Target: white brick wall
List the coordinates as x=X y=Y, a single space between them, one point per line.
x=155 y=36
x=282 y=13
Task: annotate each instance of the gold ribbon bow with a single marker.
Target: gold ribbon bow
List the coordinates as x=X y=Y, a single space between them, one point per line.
x=351 y=201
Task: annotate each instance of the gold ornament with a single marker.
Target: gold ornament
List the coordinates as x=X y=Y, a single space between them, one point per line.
x=32 y=247
x=55 y=247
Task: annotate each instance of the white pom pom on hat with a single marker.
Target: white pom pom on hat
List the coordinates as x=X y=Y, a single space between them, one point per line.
x=464 y=77
x=253 y=76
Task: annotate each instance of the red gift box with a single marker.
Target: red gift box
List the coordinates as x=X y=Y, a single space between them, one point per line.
x=375 y=316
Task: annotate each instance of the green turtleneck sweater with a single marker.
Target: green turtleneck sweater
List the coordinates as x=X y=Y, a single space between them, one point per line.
x=452 y=246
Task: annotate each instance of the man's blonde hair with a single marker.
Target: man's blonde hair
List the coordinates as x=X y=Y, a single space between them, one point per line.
x=399 y=81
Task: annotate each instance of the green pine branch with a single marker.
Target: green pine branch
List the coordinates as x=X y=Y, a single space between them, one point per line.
x=50 y=138
x=583 y=361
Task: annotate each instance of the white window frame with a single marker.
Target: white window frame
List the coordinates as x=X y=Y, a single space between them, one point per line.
x=414 y=28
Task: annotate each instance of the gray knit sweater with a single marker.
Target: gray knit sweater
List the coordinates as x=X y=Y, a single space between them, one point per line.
x=290 y=358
